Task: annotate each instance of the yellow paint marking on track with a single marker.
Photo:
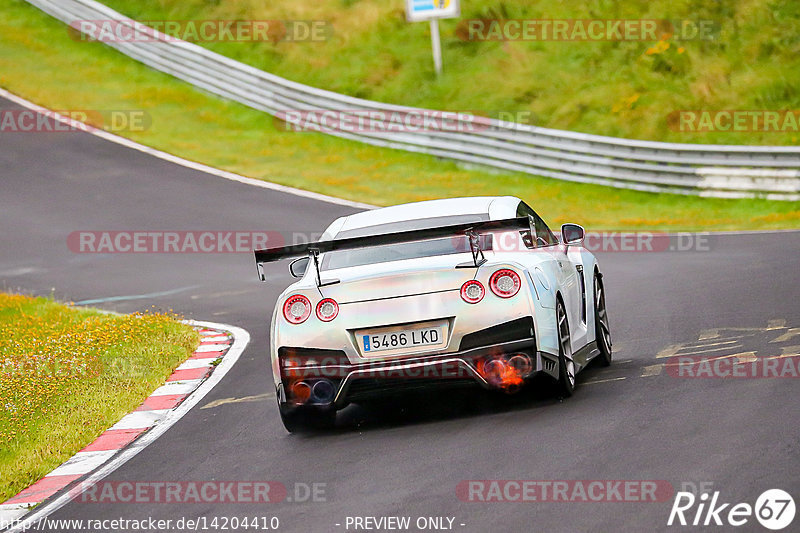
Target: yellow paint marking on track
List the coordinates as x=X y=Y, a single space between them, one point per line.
x=705 y=345
x=706 y=351
x=793 y=332
x=669 y=351
x=652 y=370
x=714 y=333
x=245 y=399
x=708 y=334
x=744 y=356
x=788 y=351
x=747 y=357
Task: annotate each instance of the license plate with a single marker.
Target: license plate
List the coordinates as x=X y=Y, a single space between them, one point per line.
x=408 y=339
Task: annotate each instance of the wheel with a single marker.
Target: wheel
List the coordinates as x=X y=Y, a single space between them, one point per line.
x=566 y=366
x=299 y=420
x=601 y=327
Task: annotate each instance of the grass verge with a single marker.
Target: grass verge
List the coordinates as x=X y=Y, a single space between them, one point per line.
x=747 y=58
x=68 y=374
x=40 y=61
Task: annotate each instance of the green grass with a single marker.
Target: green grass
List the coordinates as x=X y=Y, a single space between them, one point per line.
x=68 y=374
x=609 y=88
x=40 y=61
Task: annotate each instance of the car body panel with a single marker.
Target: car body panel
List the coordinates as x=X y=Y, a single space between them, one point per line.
x=394 y=295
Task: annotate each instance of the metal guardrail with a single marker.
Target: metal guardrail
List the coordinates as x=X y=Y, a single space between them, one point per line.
x=726 y=171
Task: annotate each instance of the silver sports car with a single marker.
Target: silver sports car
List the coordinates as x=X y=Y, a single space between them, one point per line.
x=462 y=291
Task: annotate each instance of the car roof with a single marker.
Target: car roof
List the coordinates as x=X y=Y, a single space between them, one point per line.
x=493 y=207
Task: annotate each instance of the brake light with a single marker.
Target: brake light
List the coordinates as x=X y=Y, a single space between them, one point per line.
x=327 y=309
x=472 y=291
x=505 y=283
x=297 y=309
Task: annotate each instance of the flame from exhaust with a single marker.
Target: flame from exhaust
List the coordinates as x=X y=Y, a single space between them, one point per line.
x=501 y=375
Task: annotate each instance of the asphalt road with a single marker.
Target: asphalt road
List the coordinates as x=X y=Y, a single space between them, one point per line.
x=628 y=422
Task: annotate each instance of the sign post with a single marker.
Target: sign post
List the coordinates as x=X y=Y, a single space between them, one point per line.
x=433 y=10
x=436 y=45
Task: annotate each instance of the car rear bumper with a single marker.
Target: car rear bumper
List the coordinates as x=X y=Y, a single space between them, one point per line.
x=356 y=382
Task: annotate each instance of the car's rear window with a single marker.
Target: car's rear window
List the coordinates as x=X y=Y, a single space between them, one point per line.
x=398 y=252
x=409 y=250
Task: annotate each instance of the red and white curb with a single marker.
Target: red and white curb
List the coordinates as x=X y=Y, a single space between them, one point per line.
x=220 y=347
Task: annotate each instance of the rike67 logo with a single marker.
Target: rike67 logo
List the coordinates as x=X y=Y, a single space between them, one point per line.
x=774 y=509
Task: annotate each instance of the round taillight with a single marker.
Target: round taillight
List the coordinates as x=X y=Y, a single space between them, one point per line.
x=505 y=283
x=327 y=309
x=472 y=291
x=297 y=309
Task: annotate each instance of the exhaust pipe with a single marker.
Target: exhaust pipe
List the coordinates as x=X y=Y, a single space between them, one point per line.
x=502 y=374
x=493 y=370
x=522 y=363
x=323 y=391
x=301 y=391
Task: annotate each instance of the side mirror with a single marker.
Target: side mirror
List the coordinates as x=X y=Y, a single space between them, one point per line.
x=572 y=234
x=298 y=267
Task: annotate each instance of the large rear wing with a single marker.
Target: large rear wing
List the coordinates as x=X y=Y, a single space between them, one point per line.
x=471 y=230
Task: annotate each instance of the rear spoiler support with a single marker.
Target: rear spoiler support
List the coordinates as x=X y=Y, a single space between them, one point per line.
x=475 y=247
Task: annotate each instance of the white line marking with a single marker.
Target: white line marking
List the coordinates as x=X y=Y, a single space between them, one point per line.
x=241 y=340
x=179 y=160
x=214 y=338
x=177 y=387
x=82 y=463
x=203 y=348
x=196 y=363
x=140 y=419
x=603 y=380
x=135 y=296
x=13 y=511
x=21 y=271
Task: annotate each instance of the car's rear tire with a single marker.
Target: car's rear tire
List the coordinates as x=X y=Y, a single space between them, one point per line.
x=601 y=325
x=301 y=420
x=566 y=366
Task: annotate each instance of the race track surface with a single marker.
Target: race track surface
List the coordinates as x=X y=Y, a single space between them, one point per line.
x=632 y=421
